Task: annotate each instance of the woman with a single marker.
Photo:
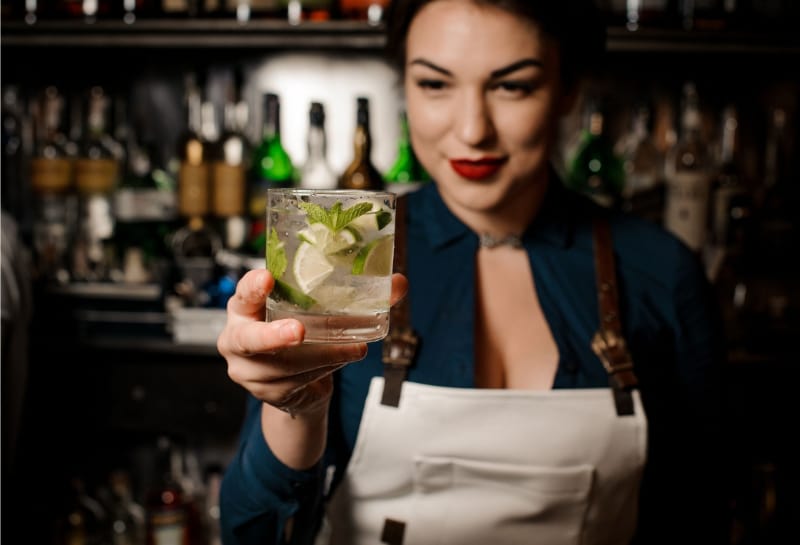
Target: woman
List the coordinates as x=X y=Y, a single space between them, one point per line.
x=505 y=429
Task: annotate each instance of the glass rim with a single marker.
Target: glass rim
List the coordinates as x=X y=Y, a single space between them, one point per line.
x=332 y=192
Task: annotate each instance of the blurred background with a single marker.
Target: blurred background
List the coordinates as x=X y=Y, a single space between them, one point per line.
x=138 y=137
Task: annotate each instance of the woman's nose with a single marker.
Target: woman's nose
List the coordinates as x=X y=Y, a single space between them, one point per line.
x=474 y=124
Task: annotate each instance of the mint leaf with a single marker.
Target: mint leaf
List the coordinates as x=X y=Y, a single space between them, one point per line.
x=276 y=255
x=315 y=213
x=383 y=219
x=334 y=218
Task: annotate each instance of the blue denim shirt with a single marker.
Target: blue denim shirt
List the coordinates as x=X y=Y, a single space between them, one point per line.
x=669 y=320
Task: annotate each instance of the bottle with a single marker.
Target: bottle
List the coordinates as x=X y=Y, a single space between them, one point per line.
x=127 y=518
x=52 y=183
x=406 y=173
x=298 y=11
x=595 y=170
x=361 y=172
x=14 y=155
x=729 y=193
x=643 y=164
x=634 y=14
x=97 y=171
x=371 y=11
x=271 y=167
x=145 y=204
x=316 y=172
x=229 y=172
x=166 y=511
x=688 y=173
x=195 y=243
x=731 y=229
x=84 y=520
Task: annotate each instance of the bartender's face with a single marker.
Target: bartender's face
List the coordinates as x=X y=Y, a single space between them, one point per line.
x=483 y=97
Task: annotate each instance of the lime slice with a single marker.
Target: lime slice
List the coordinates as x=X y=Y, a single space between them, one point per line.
x=284 y=292
x=335 y=298
x=375 y=259
x=327 y=241
x=310 y=267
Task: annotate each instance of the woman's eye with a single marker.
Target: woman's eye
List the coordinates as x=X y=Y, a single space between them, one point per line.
x=518 y=88
x=431 y=84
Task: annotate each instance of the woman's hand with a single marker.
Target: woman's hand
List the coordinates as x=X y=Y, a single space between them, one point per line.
x=293 y=379
x=268 y=358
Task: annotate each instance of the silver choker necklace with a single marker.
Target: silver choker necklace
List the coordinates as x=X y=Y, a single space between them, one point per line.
x=488 y=241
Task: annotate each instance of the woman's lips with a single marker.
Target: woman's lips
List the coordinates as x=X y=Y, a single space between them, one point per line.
x=476 y=169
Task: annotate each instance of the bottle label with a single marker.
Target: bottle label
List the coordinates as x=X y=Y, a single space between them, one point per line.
x=193 y=189
x=50 y=175
x=168 y=527
x=144 y=205
x=95 y=175
x=686 y=213
x=229 y=184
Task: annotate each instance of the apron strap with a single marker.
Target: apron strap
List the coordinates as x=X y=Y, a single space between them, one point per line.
x=400 y=345
x=608 y=343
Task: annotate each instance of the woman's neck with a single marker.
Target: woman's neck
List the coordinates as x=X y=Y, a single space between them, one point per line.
x=511 y=216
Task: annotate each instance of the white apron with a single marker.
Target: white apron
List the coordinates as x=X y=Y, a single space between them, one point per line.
x=461 y=466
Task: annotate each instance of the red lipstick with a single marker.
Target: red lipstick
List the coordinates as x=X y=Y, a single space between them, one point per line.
x=478 y=169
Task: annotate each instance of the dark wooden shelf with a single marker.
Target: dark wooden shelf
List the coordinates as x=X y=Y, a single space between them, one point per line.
x=725 y=42
x=348 y=35
x=201 y=33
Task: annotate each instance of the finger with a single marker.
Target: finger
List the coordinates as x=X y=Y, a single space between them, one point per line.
x=250 y=298
x=292 y=362
x=399 y=287
x=258 y=337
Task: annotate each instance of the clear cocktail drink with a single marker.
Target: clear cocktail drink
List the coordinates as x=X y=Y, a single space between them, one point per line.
x=331 y=254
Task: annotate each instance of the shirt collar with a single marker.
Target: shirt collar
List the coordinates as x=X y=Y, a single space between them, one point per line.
x=554 y=225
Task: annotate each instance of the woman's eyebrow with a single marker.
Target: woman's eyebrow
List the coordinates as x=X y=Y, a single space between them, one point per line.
x=513 y=67
x=499 y=73
x=432 y=66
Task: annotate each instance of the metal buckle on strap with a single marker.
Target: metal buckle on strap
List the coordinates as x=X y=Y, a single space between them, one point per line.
x=399 y=348
x=612 y=350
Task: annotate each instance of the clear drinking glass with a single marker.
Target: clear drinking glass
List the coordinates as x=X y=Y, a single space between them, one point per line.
x=331 y=253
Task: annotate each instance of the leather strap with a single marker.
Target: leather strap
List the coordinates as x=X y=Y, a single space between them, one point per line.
x=400 y=345
x=393 y=532
x=608 y=343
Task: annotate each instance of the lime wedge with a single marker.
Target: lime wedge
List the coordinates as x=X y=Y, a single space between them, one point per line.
x=284 y=292
x=375 y=259
x=328 y=242
x=310 y=267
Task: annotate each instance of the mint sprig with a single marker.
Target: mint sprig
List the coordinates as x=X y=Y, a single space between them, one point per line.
x=276 y=255
x=334 y=218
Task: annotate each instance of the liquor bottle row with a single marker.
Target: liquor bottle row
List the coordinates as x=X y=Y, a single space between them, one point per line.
x=129 y=11
x=106 y=202
x=725 y=182
x=164 y=497
x=713 y=15
x=633 y=14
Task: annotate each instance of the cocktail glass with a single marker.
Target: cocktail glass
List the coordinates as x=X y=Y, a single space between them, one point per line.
x=331 y=254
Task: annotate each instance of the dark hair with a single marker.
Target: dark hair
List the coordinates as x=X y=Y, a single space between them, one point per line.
x=576 y=25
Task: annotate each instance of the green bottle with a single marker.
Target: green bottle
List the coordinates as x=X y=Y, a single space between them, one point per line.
x=406 y=174
x=271 y=167
x=595 y=169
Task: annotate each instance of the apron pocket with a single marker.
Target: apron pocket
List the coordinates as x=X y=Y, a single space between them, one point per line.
x=463 y=501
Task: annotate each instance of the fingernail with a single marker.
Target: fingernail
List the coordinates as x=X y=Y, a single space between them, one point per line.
x=289 y=332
